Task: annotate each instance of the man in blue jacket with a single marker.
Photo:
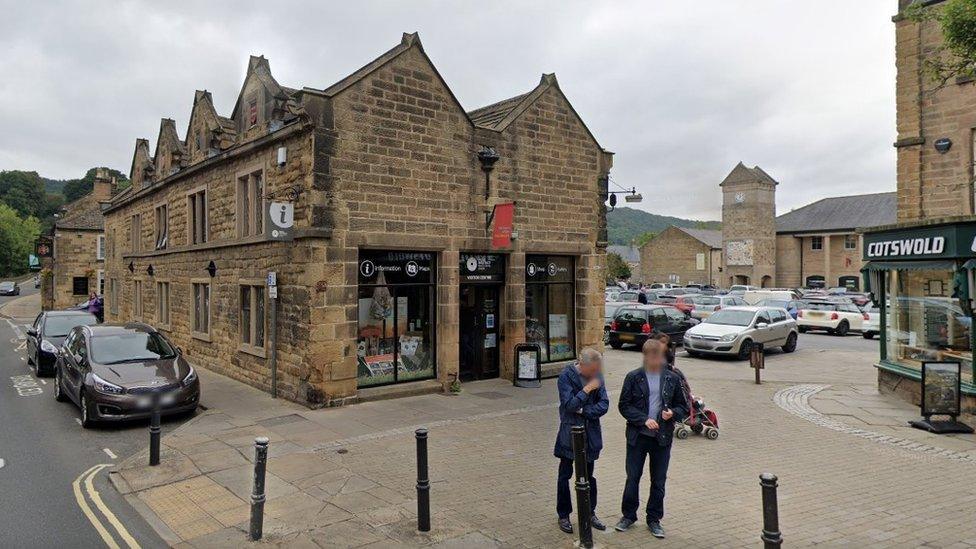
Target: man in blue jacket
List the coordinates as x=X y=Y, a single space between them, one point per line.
x=582 y=401
x=651 y=401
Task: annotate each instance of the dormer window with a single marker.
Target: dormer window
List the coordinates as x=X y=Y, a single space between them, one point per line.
x=252 y=112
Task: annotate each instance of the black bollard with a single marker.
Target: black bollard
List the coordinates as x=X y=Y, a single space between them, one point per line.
x=771 y=536
x=757 y=359
x=154 y=431
x=583 y=510
x=257 y=493
x=423 y=483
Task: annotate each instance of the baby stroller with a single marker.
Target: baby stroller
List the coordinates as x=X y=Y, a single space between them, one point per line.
x=700 y=420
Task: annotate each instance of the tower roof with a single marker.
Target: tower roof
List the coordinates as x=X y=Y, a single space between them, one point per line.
x=744 y=174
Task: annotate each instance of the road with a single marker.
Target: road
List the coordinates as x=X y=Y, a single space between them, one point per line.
x=44 y=458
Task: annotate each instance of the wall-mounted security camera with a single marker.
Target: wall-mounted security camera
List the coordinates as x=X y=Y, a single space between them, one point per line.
x=282 y=156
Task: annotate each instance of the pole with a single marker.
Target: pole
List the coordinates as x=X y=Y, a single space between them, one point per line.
x=771 y=536
x=584 y=511
x=257 y=493
x=274 y=347
x=757 y=359
x=154 y=431
x=423 y=483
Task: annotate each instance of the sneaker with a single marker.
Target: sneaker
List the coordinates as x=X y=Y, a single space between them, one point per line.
x=656 y=530
x=565 y=525
x=624 y=524
x=597 y=523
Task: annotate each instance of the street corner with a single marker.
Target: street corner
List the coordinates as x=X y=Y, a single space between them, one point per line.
x=23 y=308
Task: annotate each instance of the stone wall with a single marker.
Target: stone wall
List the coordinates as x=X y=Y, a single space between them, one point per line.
x=76 y=256
x=674 y=252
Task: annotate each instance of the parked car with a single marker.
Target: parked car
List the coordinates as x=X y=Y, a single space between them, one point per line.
x=611 y=293
x=792 y=306
x=705 y=305
x=662 y=286
x=836 y=317
x=609 y=311
x=872 y=321
x=99 y=308
x=685 y=303
x=734 y=331
x=630 y=296
x=111 y=372
x=45 y=335
x=633 y=324
x=37 y=281
x=9 y=287
x=753 y=297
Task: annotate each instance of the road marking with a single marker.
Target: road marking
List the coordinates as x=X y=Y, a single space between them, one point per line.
x=43 y=381
x=78 y=421
x=26 y=385
x=2 y=463
x=87 y=510
x=112 y=519
x=110 y=453
x=16 y=329
x=85 y=484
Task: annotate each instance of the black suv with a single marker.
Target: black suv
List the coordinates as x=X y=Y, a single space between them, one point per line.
x=634 y=324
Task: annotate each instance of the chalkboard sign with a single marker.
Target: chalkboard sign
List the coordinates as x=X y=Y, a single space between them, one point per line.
x=941 y=388
x=528 y=365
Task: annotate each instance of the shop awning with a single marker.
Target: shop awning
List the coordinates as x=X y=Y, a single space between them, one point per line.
x=943 y=264
x=971 y=264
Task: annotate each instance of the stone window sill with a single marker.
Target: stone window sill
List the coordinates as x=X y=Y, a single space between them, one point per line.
x=201 y=336
x=252 y=350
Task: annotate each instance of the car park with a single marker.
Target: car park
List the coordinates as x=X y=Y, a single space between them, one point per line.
x=662 y=286
x=792 y=306
x=753 y=297
x=634 y=324
x=9 y=287
x=685 y=303
x=735 y=330
x=45 y=335
x=115 y=372
x=836 y=317
x=705 y=305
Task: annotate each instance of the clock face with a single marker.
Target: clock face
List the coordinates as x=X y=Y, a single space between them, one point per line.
x=740 y=198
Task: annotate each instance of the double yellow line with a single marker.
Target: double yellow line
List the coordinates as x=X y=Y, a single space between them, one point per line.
x=85 y=484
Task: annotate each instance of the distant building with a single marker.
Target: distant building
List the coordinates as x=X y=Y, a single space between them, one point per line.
x=78 y=265
x=631 y=256
x=816 y=245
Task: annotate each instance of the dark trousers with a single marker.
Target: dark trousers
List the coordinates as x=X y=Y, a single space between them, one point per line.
x=564 y=499
x=646 y=447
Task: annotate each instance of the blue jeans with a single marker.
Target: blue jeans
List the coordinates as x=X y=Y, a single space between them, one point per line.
x=564 y=500
x=646 y=447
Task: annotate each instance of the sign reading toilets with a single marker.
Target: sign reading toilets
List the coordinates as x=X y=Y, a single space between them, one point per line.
x=279 y=221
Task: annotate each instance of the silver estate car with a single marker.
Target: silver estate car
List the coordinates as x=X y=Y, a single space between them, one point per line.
x=733 y=331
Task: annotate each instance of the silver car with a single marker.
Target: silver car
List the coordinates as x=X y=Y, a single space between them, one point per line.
x=734 y=330
x=706 y=305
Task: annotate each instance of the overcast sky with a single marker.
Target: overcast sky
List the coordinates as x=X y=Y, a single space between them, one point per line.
x=680 y=91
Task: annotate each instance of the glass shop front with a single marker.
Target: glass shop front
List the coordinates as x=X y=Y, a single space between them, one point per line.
x=921 y=278
x=550 y=306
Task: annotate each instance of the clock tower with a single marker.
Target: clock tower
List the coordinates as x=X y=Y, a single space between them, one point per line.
x=749 y=227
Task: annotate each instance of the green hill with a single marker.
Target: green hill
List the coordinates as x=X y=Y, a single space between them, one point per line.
x=626 y=224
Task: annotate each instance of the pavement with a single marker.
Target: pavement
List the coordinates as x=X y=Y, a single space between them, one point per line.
x=851 y=472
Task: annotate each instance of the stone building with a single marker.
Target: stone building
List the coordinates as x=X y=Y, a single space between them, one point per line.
x=78 y=265
x=390 y=283
x=683 y=256
x=816 y=245
x=920 y=269
x=631 y=256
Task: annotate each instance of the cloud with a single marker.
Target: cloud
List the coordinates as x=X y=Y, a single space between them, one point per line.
x=679 y=91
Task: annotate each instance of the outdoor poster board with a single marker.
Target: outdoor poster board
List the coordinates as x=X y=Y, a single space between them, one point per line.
x=528 y=365
x=941 y=391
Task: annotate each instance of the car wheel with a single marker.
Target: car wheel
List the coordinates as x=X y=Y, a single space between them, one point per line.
x=58 y=390
x=803 y=329
x=86 y=420
x=842 y=328
x=790 y=345
x=745 y=349
x=868 y=335
x=692 y=354
x=606 y=337
x=616 y=345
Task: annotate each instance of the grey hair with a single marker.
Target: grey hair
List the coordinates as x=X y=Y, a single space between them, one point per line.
x=589 y=355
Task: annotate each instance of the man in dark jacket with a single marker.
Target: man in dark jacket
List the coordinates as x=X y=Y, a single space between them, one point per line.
x=583 y=401
x=651 y=401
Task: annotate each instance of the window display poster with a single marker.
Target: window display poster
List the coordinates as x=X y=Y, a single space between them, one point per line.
x=489 y=321
x=940 y=388
x=491 y=341
x=558 y=326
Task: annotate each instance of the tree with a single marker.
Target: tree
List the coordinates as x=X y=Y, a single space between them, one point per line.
x=957 y=55
x=644 y=238
x=77 y=188
x=22 y=191
x=617 y=268
x=17 y=236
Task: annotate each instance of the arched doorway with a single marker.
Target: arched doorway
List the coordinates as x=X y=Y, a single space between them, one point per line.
x=741 y=279
x=767 y=281
x=816 y=281
x=852 y=283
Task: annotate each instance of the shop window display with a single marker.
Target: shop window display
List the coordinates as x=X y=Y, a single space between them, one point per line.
x=550 y=306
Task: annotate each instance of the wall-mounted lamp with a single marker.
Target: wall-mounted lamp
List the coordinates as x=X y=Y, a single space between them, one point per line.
x=212 y=269
x=630 y=196
x=487 y=156
x=149 y=270
x=132 y=267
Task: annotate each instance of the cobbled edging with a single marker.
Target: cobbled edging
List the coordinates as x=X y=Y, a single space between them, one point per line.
x=796 y=400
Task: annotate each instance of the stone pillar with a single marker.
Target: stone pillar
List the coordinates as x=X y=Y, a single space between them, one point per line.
x=513 y=323
x=448 y=324
x=590 y=281
x=331 y=364
x=828 y=276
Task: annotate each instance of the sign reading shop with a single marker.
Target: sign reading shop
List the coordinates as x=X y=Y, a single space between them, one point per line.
x=395 y=267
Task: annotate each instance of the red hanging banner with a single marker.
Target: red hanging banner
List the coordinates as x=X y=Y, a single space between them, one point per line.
x=504 y=216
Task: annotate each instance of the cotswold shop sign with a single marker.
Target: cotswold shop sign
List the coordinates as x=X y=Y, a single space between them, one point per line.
x=929 y=246
x=956 y=241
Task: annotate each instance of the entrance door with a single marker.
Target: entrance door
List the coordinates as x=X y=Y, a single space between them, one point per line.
x=479 y=319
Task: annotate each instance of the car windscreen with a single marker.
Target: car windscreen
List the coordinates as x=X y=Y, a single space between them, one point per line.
x=610 y=310
x=777 y=303
x=130 y=347
x=821 y=306
x=627 y=296
x=6 y=285
x=705 y=300
x=731 y=317
x=61 y=325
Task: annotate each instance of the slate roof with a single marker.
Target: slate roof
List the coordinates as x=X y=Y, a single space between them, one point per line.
x=83 y=214
x=630 y=254
x=841 y=213
x=490 y=116
x=709 y=237
x=741 y=172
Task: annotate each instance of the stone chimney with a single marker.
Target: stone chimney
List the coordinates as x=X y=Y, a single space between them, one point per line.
x=104 y=185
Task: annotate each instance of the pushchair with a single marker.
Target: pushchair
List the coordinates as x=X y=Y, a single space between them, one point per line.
x=700 y=419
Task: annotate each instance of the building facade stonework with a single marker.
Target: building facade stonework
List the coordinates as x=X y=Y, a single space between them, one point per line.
x=683 y=256
x=391 y=276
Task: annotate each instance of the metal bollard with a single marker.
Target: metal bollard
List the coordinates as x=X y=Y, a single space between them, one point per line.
x=583 y=510
x=771 y=536
x=423 y=483
x=154 y=431
x=257 y=493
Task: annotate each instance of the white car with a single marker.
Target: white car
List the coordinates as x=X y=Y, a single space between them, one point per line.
x=705 y=305
x=734 y=331
x=836 y=317
x=872 y=324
